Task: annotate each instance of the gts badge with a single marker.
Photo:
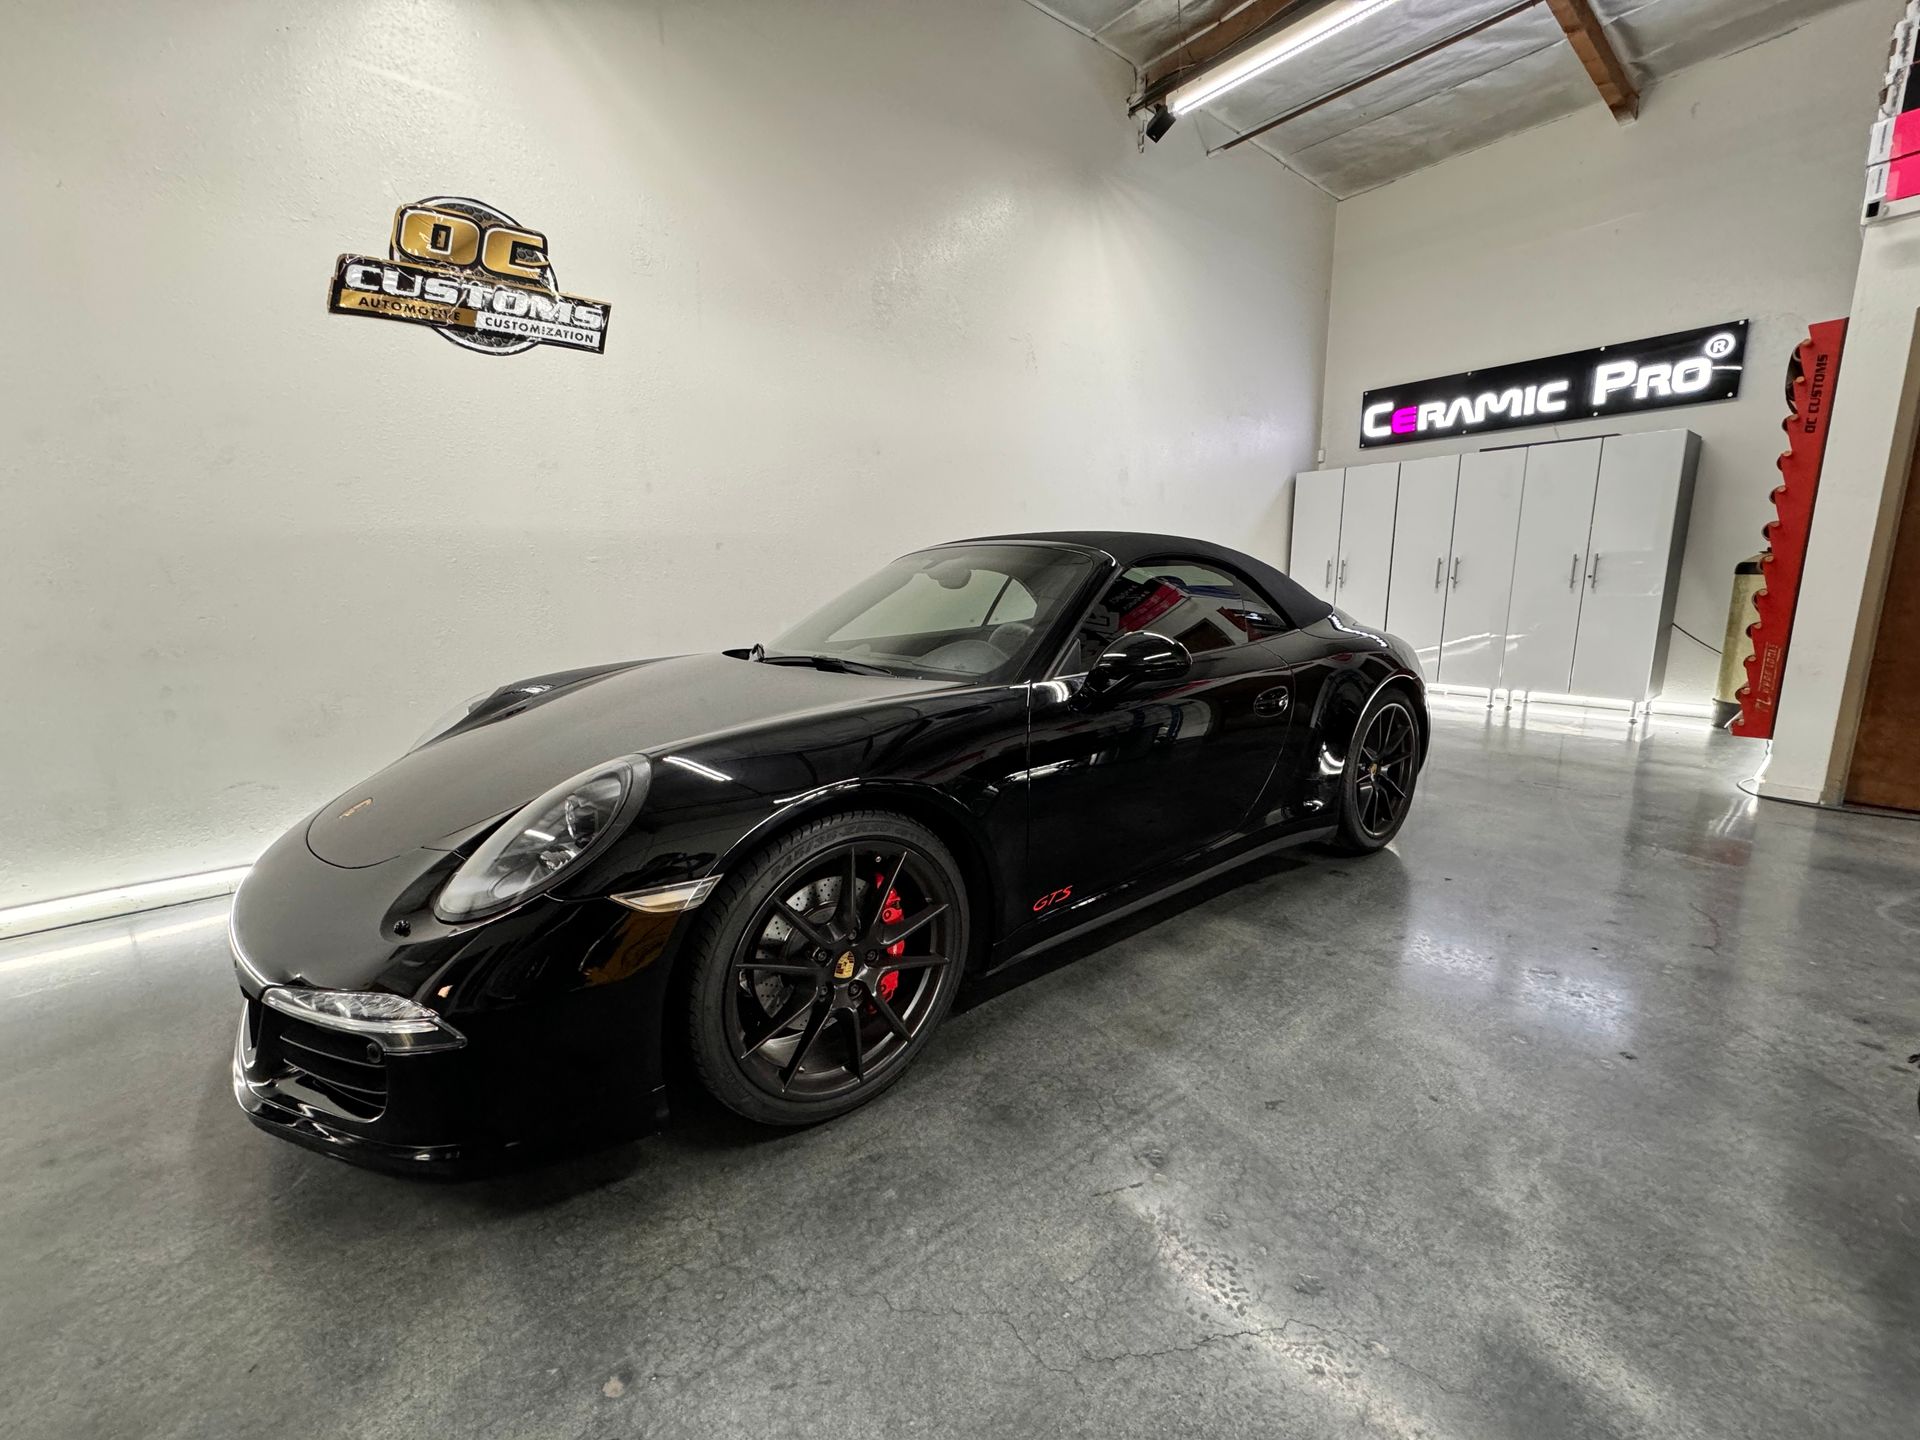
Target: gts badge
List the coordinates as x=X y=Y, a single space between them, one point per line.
x=1047 y=902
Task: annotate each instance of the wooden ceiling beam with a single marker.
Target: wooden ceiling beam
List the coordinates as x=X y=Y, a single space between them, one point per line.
x=1590 y=42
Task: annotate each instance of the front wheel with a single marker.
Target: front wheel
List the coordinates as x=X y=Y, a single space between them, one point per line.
x=823 y=965
x=1383 y=764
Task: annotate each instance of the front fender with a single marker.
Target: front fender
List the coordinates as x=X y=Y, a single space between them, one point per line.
x=940 y=812
x=715 y=839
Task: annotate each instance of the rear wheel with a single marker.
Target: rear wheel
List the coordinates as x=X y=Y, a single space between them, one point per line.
x=1383 y=764
x=823 y=965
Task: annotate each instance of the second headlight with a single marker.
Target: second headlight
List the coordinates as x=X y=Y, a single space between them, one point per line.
x=535 y=847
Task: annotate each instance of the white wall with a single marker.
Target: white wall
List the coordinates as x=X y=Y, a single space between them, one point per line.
x=883 y=273
x=1736 y=194
x=1863 y=481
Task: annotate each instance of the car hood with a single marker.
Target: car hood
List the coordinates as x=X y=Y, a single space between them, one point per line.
x=441 y=794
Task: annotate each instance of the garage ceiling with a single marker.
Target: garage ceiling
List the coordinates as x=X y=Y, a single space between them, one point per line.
x=1511 y=76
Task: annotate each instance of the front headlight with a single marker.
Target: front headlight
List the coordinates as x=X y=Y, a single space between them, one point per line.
x=394 y=1021
x=534 y=848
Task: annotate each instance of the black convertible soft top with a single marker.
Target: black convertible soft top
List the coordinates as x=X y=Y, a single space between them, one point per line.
x=1131 y=547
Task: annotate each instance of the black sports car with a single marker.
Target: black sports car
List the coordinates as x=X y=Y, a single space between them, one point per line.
x=783 y=861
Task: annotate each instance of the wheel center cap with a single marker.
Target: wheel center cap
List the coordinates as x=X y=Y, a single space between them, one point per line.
x=843 y=967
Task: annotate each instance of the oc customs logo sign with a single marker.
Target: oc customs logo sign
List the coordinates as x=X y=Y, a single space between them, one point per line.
x=472 y=273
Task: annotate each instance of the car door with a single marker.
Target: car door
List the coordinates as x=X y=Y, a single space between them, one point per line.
x=1126 y=784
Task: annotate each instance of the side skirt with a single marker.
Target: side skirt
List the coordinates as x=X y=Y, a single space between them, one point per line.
x=1127 y=899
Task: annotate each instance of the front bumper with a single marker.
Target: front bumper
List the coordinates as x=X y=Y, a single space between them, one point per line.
x=336 y=1103
x=560 y=1003
x=555 y=1071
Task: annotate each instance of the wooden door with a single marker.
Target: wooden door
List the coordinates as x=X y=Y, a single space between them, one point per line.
x=1886 y=750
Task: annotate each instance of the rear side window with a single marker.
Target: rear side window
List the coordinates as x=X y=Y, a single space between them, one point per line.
x=1201 y=606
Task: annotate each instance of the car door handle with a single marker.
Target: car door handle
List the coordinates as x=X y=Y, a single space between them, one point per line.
x=1272 y=702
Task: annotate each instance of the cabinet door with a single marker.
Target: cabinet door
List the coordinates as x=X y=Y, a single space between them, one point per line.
x=1422 y=550
x=1316 y=530
x=1549 y=563
x=1366 y=542
x=1480 y=575
x=1632 y=556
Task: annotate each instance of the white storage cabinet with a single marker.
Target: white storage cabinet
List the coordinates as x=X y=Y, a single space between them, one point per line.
x=1547 y=568
x=1343 y=536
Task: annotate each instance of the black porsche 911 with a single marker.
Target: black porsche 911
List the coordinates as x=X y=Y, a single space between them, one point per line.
x=782 y=862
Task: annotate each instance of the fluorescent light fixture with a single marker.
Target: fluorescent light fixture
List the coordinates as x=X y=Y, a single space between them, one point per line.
x=1281 y=45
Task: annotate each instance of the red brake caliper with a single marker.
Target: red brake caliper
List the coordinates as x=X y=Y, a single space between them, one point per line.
x=891 y=914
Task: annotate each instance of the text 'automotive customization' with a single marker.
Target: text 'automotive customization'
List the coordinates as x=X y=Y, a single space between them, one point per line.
x=782 y=862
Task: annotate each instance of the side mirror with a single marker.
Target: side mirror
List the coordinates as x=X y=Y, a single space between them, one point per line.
x=1140 y=658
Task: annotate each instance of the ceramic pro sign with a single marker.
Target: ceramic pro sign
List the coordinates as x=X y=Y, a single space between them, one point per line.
x=1690 y=367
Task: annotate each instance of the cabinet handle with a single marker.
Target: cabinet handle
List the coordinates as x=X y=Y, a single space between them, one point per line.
x=1593 y=572
x=1329 y=572
x=1573 y=569
x=1456 y=572
x=1439 y=564
x=1343 y=572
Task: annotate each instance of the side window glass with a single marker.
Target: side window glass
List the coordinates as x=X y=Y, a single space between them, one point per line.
x=1202 y=607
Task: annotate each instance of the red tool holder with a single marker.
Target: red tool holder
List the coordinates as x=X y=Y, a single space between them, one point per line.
x=1811 y=377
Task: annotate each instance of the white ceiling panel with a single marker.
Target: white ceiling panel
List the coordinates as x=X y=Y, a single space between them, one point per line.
x=1517 y=74
x=1327 y=67
x=1522 y=93
x=1143 y=31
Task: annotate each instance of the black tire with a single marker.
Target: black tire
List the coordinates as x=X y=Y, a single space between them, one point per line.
x=787 y=1030
x=1383 y=766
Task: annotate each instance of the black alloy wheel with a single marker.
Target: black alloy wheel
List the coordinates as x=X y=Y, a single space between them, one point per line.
x=824 y=966
x=1382 y=768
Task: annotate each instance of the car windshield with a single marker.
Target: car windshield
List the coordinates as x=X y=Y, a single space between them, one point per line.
x=961 y=612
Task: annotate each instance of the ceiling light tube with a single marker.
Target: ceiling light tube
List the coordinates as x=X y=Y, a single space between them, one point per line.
x=1281 y=45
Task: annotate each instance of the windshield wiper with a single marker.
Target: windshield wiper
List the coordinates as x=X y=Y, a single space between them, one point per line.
x=836 y=663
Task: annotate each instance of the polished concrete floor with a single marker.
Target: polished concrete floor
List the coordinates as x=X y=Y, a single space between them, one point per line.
x=1583 y=1111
